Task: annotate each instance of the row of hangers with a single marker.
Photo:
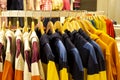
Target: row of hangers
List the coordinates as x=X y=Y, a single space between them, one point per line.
x=69 y=24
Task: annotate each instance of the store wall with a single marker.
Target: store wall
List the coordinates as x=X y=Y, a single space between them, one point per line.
x=110 y=7
x=89 y=5
x=117 y=11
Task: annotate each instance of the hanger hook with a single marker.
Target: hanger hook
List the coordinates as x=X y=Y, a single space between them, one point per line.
x=50 y=15
x=25 y=16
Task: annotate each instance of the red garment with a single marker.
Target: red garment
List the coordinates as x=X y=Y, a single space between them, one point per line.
x=66 y=4
x=110 y=28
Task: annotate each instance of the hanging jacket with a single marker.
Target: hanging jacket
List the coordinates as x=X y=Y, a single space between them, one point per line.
x=60 y=53
x=88 y=56
x=41 y=69
x=112 y=45
x=2 y=52
x=8 y=68
x=74 y=59
x=66 y=5
x=27 y=54
x=99 y=55
x=19 y=61
x=47 y=57
x=35 y=57
x=107 y=55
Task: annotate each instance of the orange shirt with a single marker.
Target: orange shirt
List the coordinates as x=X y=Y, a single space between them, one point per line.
x=111 y=43
x=107 y=55
x=8 y=69
x=19 y=62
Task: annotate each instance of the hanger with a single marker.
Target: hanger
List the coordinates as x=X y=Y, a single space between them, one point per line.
x=3 y=26
x=77 y=25
x=9 y=24
x=73 y=25
x=50 y=26
x=32 y=24
x=67 y=26
x=57 y=25
x=25 y=29
x=104 y=17
x=90 y=27
x=17 y=24
x=84 y=26
x=41 y=28
x=17 y=21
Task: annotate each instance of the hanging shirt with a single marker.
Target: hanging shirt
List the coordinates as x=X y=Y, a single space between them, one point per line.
x=60 y=55
x=2 y=52
x=88 y=56
x=41 y=69
x=66 y=4
x=112 y=45
x=110 y=28
x=103 y=26
x=8 y=68
x=99 y=55
x=27 y=54
x=35 y=57
x=47 y=58
x=107 y=55
x=74 y=59
x=19 y=62
x=100 y=24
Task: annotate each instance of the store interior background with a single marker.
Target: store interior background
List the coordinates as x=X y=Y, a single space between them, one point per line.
x=111 y=8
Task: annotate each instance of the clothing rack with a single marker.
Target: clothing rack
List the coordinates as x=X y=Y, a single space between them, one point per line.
x=20 y=13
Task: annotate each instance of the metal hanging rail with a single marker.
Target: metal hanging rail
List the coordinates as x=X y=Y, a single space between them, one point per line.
x=37 y=14
x=20 y=13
